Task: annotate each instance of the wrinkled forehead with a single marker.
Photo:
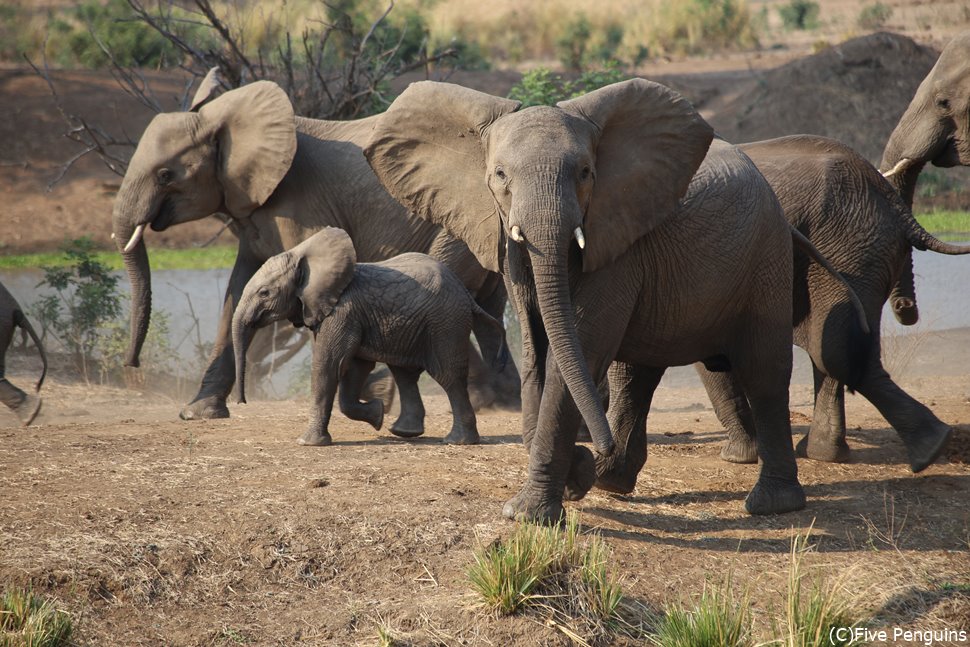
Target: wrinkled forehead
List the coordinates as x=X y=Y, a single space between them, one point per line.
x=542 y=131
x=171 y=134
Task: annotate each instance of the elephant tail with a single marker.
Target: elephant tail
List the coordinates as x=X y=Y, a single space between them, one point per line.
x=21 y=320
x=860 y=336
x=500 y=357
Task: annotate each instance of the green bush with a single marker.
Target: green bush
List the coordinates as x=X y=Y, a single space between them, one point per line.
x=540 y=87
x=874 y=16
x=799 y=14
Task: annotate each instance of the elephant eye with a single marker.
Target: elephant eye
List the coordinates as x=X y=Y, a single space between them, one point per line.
x=263 y=293
x=500 y=174
x=586 y=173
x=943 y=103
x=165 y=175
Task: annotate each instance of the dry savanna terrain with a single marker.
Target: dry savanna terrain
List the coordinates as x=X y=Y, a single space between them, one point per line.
x=149 y=530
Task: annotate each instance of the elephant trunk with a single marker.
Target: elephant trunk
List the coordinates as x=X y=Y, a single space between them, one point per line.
x=915 y=141
x=902 y=299
x=135 y=256
x=240 y=343
x=549 y=262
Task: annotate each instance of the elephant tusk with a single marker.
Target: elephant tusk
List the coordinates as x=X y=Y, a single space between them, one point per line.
x=112 y=235
x=516 y=234
x=580 y=238
x=901 y=165
x=135 y=237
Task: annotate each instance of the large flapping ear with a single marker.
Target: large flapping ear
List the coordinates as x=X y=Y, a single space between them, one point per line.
x=326 y=261
x=209 y=88
x=428 y=151
x=651 y=143
x=256 y=133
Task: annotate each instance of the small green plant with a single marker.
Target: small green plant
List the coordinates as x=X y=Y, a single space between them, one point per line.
x=718 y=619
x=812 y=616
x=27 y=620
x=85 y=300
x=555 y=570
x=874 y=16
x=799 y=14
x=540 y=87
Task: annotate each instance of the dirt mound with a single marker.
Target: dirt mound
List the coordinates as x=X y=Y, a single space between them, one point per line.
x=855 y=92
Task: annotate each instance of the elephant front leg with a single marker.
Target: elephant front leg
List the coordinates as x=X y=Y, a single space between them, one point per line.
x=410 y=424
x=826 y=437
x=551 y=457
x=734 y=413
x=351 y=387
x=210 y=401
x=323 y=386
x=631 y=393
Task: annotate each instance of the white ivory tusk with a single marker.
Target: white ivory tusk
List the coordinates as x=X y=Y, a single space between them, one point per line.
x=580 y=238
x=112 y=235
x=135 y=237
x=901 y=165
x=516 y=234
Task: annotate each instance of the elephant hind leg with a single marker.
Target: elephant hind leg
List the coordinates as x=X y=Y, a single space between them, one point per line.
x=825 y=440
x=25 y=405
x=734 y=413
x=464 y=427
x=410 y=424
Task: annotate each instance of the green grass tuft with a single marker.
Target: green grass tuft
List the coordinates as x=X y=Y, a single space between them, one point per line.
x=718 y=619
x=193 y=258
x=27 y=620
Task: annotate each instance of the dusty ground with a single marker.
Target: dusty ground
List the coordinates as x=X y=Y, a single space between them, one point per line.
x=154 y=531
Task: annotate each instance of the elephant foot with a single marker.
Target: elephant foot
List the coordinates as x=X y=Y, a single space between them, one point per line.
x=613 y=475
x=208 y=408
x=407 y=427
x=374 y=415
x=926 y=447
x=460 y=435
x=379 y=385
x=740 y=450
x=582 y=474
x=822 y=451
x=315 y=438
x=775 y=496
x=530 y=506
x=28 y=409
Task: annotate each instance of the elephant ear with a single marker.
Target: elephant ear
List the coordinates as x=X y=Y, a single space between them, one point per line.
x=209 y=88
x=256 y=133
x=650 y=145
x=326 y=267
x=428 y=151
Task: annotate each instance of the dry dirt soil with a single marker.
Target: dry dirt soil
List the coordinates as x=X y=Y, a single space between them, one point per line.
x=154 y=531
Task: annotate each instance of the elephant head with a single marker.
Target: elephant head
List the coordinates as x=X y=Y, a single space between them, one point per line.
x=601 y=170
x=227 y=154
x=302 y=284
x=936 y=125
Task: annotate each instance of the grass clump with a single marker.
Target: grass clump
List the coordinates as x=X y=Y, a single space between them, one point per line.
x=945 y=224
x=555 y=572
x=813 y=613
x=27 y=620
x=718 y=619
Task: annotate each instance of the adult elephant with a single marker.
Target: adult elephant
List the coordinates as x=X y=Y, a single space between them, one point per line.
x=279 y=179
x=837 y=199
x=622 y=237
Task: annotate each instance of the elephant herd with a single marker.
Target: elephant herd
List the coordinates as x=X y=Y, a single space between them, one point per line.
x=627 y=236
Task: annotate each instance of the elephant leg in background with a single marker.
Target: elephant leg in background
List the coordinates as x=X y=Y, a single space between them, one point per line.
x=631 y=393
x=506 y=384
x=734 y=413
x=410 y=424
x=921 y=431
x=825 y=440
x=25 y=405
x=210 y=401
x=379 y=385
x=351 y=387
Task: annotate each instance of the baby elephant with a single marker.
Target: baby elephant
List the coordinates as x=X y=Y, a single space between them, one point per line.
x=409 y=312
x=25 y=405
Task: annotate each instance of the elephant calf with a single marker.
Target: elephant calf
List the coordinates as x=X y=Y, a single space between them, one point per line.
x=410 y=312
x=25 y=405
